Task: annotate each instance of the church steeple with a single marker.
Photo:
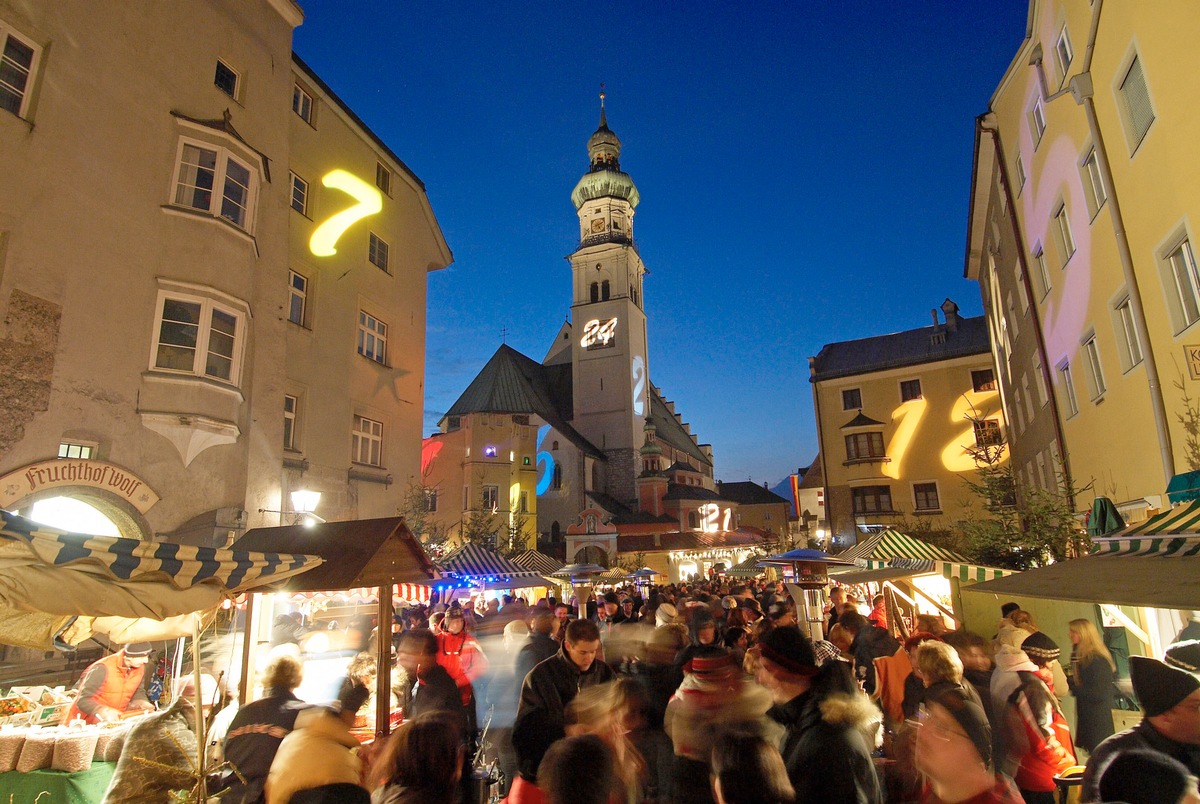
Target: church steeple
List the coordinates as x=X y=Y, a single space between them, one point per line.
x=604 y=179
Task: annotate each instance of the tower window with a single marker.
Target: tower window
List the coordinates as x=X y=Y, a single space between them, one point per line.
x=604 y=290
x=595 y=292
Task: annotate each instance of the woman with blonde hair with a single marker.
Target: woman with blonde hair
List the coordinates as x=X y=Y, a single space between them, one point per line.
x=1091 y=682
x=603 y=711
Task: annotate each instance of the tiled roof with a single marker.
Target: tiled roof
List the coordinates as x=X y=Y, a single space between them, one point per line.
x=622 y=514
x=512 y=383
x=678 y=491
x=862 y=420
x=685 y=540
x=669 y=429
x=814 y=476
x=909 y=348
x=748 y=493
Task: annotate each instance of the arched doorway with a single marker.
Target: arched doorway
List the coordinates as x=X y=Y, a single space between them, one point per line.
x=73 y=515
x=591 y=555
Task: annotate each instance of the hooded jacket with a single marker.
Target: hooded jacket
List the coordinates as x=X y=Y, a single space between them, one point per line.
x=318 y=752
x=827 y=756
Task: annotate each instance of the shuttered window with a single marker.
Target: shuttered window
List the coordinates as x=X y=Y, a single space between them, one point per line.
x=1136 y=96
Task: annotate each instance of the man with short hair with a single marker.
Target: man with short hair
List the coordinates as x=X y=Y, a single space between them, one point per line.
x=549 y=687
x=434 y=689
x=1170 y=698
x=543 y=643
x=258 y=728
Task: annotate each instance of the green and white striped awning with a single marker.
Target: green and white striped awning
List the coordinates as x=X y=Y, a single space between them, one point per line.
x=1183 y=520
x=890 y=543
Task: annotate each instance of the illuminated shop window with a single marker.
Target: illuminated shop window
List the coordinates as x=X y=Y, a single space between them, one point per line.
x=372 y=337
x=210 y=179
x=18 y=61
x=197 y=336
x=226 y=79
x=366 y=441
x=302 y=104
x=76 y=449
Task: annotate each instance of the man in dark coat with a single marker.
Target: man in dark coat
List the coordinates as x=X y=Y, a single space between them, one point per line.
x=826 y=754
x=258 y=728
x=434 y=689
x=549 y=687
x=869 y=642
x=543 y=643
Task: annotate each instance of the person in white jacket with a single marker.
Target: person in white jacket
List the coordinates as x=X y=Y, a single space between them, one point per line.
x=319 y=751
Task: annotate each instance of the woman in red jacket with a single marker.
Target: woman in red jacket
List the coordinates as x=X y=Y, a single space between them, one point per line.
x=460 y=654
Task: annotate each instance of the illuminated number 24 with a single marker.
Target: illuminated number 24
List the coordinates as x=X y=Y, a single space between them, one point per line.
x=370 y=201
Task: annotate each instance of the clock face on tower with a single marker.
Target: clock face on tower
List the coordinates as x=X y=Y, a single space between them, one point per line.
x=598 y=225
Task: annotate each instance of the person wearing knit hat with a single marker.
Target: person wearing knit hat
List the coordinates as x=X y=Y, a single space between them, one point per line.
x=112 y=686
x=1170 y=701
x=665 y=614
x=1040 y=648
x=954 y=750
x=1184 y=655
x=1148 y=777
x=824 y=716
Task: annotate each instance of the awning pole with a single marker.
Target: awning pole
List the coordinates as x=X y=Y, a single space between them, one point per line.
x=198 y=696
x=1123 y=619
x=383 y=660
x=248 y=640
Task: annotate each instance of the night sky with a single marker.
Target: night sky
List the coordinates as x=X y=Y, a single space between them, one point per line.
x=804 y=170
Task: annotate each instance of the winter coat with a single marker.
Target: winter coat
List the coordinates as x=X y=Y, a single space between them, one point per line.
x=1037 y=735
x=869 y=644
x=1142 y=737
x=538 y=649
x=253 y=739
x=159 y=757
x=435 y=691
x=541 y=712
x=827 y=756
x=319 y=752
x=1094 y=700
x=463 y=659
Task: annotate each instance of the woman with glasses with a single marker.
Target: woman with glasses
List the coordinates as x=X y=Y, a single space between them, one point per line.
x=954 y=752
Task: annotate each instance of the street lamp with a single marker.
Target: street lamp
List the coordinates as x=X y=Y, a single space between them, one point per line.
x=304 y=506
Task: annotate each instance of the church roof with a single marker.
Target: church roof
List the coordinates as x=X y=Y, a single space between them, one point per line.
x=749 y=493
x=512 y=383
x=678 y=491
x=622 y=514
x=668 y=429
x=687 y=540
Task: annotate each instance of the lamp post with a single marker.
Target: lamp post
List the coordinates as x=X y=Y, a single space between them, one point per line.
x=304 y=506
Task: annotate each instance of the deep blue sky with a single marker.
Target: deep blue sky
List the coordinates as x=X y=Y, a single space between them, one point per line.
x=804 y=170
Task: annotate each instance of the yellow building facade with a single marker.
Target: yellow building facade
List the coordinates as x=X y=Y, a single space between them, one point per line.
x=897 y=419
x=1082 y=230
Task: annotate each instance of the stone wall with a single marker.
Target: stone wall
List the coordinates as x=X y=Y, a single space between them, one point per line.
x=28 y=342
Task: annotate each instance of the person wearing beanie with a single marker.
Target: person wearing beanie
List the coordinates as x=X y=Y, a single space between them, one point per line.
x=1170 y=701
x=954 y=751
x=113 y=686
x=825 y=717
x=1148 y=777
x=665 y=614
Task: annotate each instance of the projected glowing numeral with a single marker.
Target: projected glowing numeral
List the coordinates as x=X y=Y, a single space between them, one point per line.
x=910 y=414
x=639 y=385
x=370 y=201
x=545 y=462
x=728 y=518
x=709 y=516
x=597 y=333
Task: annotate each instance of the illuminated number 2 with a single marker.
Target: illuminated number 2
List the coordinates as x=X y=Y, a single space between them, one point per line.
x=639 y=384
x=324 y=240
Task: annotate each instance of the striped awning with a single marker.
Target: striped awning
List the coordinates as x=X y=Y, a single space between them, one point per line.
x=890 y=543
x=1183 y=520
x=538 y=562
x=748 y=568
x=972 y=573
x=480 y=565
x=614 y=574
x=363 y=595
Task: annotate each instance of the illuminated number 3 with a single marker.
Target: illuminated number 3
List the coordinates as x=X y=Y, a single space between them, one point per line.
x=324 y=240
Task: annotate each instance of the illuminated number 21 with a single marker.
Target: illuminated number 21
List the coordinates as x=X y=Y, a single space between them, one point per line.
x=324 y=240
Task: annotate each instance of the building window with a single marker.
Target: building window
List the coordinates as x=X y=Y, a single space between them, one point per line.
x=299 y=194
x=1063 y=53
x=925 y=497
x=1037 y=120
x=201 y=171
x=1062 y=231
x=983 y=380
x=605 y=290
x=1187 y=283
x=75 y=449
x=1040 y=382
x=226 y=79
x=595 y=292
x=429 y=500
x=366 y=441
x=864 y=446
x=1135 y=96
x=910 y=389
x=871 y=499
x=1127 y=338
x=556 y=479
x=852 y=399
x=987 y=433
x=1095 y=373
x=372 y=337
x=383 y=178
x=1019 y=167
x=693 y=520
x=378 y=252
x=1092 y=181
x=1068 y=384
x=491 y=498
x=197 y=336
x=523 y=505
x=302 y=103
x=291 y=410
x=1043 y=273
x=16 y=68
x=297 y=297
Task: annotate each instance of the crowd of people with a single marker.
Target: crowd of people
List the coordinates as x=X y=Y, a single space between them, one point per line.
x=718 y=692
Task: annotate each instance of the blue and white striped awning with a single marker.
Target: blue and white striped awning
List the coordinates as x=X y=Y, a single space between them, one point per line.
x=538 y=562
x=480 y=565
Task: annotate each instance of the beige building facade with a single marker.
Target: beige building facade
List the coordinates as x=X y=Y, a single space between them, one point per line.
x=1082 y=233
x=188 y=336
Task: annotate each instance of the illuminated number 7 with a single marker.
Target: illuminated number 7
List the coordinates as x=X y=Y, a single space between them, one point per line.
x=370 y=201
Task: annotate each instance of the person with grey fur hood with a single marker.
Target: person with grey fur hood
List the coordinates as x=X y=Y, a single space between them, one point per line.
x=827 y=719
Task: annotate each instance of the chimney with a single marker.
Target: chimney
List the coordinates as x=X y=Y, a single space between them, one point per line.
x=933 y=313
x=950 y=310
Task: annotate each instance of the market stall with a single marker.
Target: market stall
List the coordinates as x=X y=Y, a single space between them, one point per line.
x=748 y=568
x=58 y=589
x=474 y=567
x=808 y=570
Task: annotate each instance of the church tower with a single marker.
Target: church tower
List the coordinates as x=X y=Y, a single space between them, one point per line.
x=610 y=369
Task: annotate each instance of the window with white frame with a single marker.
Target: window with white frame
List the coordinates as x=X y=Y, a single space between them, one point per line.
x=1063 y=53
x=1062 y=233
x=226 y=79
x=1186 y=282
x=1037 y=122
x=1041 y=270
x=1095 y=373
x=1135 y=99
x=1128 y=344
x=925 y=497
x=1039 y=382
x=491 y=498
x=372 y=337
x=1022 y=292
x=1041 y=471
x=1068 y=384
x=1030 y=402
x=378 y=252
x=82 y=450
x=299 y=194
x=210 y=179
x=366 y=441
x=291 y=413
x=1019 y=166
x=18 y=61
x=302 y=103
x=1093 y=183
x=297 y=297
x=383 y=178
x=197 y=336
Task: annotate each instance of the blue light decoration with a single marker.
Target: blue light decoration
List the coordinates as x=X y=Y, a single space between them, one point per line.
x=489 y=451
x=545 y=462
